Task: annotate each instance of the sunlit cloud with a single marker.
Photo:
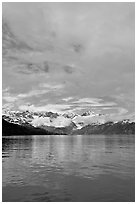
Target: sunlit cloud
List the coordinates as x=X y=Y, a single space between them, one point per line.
x=68 y=99
x=51 y=86
x=32 y=93
x=9 y=98
x=93 y=102
x=50 y=107
x=88 y=100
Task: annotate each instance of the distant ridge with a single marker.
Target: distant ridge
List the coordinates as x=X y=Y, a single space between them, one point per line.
x=108 y=128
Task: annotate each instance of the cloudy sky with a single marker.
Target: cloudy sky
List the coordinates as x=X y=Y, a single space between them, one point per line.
x=69 y=57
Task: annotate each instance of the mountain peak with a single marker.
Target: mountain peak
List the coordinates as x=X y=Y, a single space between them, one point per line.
x=87 y=113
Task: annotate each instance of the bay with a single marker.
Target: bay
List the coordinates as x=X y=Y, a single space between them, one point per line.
x=68 y=168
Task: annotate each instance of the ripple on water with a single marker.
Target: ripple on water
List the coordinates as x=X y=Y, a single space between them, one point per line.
x=67 y=168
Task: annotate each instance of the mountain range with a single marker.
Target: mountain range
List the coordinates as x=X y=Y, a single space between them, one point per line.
x=48 y=123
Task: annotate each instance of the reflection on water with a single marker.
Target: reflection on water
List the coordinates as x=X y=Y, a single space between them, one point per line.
x=68 y=168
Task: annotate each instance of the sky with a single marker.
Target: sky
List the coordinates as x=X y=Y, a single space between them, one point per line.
x=69 y=57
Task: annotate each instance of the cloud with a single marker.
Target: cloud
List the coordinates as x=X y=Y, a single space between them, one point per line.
x=119 y=113
x=93 y=102
x=88 y=47
x=122 y=111
x=85 y=26
x=5 y=90
x=88 y=100
x=78 y=48
x=68 y=69
x=9 y=98
x=68 y=99
x=71 y=105
x=53 y=86
x=12 y=97
x=10 y=41
x=32 y=93
x=43 y=89
x=60 y=108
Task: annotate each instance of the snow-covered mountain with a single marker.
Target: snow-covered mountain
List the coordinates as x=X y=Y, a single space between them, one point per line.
x=49 y=119
x=26 y=122
x=60 y=121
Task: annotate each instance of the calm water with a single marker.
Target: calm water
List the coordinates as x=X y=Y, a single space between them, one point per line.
x=68 y=168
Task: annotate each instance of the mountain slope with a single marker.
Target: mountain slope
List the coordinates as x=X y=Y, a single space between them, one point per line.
x=108 y=128
x=15 y=129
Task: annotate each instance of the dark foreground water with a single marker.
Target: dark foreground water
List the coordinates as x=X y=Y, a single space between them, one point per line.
x=68 y=168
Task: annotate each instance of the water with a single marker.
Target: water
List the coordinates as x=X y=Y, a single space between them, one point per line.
x=68 y=168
